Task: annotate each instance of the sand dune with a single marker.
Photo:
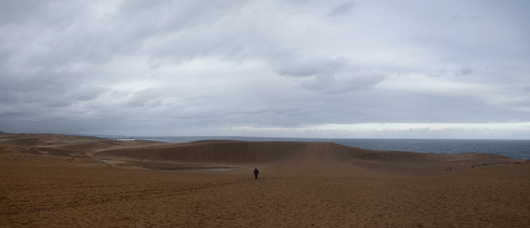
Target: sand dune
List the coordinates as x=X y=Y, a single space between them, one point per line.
x=75 y=144
x=55 y=181
x=306 y=157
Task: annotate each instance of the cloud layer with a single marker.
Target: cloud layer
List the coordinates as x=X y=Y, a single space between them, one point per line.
x=235 y=67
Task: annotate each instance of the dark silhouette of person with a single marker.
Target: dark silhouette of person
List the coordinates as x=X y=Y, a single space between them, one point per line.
x=256 y=172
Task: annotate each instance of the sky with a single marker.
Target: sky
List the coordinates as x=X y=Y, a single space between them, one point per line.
x=291 y=68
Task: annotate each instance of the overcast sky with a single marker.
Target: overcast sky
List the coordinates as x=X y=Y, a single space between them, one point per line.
x=339 y=69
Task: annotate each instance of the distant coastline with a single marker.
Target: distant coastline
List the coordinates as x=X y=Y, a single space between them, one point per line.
x=519 y=149
x=514 y=148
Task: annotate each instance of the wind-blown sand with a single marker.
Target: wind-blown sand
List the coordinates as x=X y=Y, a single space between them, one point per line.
x=62 y=181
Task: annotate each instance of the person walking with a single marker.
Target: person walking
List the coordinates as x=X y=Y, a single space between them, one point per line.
x=256 y=172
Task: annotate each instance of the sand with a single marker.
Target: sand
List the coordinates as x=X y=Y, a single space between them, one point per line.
x=305 y=185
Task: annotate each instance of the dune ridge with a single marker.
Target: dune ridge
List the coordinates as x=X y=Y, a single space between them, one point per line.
x=80 y=145
x=308 y=157
x=316 y=158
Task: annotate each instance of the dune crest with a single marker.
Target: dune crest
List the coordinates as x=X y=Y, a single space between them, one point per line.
x=307 y=157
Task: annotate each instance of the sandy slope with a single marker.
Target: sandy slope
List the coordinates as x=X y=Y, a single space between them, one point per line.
x=306 y=158
x=70 y=144
x=300 y=185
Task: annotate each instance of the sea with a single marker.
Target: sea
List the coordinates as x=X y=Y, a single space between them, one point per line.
x=511 y=148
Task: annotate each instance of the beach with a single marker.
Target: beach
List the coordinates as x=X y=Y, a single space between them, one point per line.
x=64 y=181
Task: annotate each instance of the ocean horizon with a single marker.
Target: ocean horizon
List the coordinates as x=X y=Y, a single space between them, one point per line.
x=515 y=148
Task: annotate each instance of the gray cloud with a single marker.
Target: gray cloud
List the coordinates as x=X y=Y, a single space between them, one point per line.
x=323 y=67
x=12 y=11
x=463 y=72
x=209 y=67
x=341 y=9
x=353 y=84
